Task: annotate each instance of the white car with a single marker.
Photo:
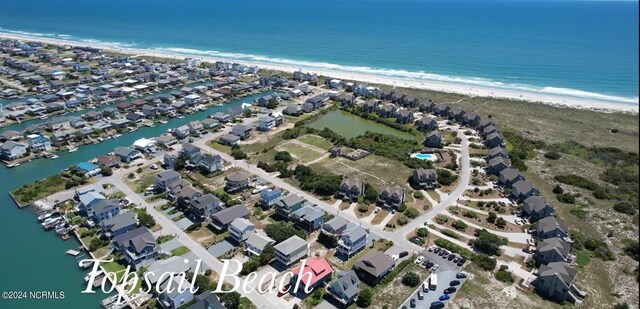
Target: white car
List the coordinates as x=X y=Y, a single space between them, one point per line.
x=435 y=267
x=419 y=260
x=395 y=257
x=377 y=210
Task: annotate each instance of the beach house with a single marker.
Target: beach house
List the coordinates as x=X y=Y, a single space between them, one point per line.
x=351 y=188
x=240 y=229
x=308 y=218
x=373 y=266
x=138 y=247
x=291 y=250
x=346 y=288
x=221 y=220
x=118 y=225
x=424 y=178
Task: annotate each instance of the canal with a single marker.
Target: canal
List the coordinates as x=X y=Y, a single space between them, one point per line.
x=35 y=260
x=23 y=125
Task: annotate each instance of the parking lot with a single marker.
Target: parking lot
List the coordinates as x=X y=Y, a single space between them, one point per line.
x=446 y=271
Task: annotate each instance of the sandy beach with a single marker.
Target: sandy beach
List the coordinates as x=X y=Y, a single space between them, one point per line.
x=471 y=90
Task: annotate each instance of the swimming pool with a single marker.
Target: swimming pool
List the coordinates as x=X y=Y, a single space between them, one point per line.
x=424 y=156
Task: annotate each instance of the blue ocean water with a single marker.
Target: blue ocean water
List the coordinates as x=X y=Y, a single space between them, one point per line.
x=580 y=48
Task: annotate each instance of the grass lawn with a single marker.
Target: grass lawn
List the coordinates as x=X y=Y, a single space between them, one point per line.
x=115 y=267
x=219 y=147
x=375 y=170
x=182 y=250
x=301 y=153
x=379 y=216
x=39 y=189
x=315 y=140
x=583 y=258
x=434 y=195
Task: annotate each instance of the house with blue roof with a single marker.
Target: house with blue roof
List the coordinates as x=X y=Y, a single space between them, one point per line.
x=268 y=198
x=89 y=169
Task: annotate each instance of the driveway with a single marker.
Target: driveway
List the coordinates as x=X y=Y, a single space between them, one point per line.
x=184 y=223
x=220 y=248
x=170 y=245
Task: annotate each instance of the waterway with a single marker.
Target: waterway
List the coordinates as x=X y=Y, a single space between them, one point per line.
x=23 y=125
x=35 y=260
x=349 y=125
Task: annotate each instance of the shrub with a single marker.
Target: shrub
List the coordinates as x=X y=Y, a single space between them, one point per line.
x=418 y=195
x=364 y=298
x=450 y=233
x=411 y=279
x=403 y=220
x=283 y=156
x=484 y=262
x=363 y=208
x=558 y=189
x=402 y=207
x=552 y=155
x=412 y=213
x=504 y=276
x=501 y=223
x=459 y=225
x=625 y=208
x=442 y=219
x=566 y=198
x=422 y=232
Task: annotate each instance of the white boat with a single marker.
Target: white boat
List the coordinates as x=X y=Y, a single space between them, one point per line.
x=53 y=157
x=13 y=165
x=73 y=149
x=43 y=117
x=219 y=104
x=180 y=117
x=117 y=135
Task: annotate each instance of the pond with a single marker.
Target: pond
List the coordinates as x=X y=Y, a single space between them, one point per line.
x=350 y=125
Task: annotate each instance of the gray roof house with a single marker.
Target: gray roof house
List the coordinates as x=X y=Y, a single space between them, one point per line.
x=242 y=131
x=497 y=165
x=523 y=189
x=353 y=239
x=496 y=152
x=426 y=124
x=537 y=207
x=373 y=266
x=240 y=228
x=138 y=247
x=207 y=300
x=391 y=196
x=229 y=139
x=555 y=281
x=351 y=188
x=308 y=218
x=424 y=178
x=291 y=250
x=494 y=140
x=551 y=227
x=175 y=293
x=433 y=139
x=404 y=116
x=552 y=250
x=237 y=181
x=335 y=227
x=165 y=178
x=222 y=219
x=256 y=243
x=346 y=288
x=204 y=206
x=119 y=224
x=510 y=176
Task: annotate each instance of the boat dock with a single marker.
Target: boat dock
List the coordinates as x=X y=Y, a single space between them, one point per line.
x=73 y=252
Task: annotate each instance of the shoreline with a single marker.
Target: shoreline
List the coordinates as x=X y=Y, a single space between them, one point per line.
x=445 y=87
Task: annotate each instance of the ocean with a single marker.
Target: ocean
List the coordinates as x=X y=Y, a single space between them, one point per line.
x=576 y=48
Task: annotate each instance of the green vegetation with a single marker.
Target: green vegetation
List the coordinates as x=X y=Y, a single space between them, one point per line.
x=484 y=261
x=465 y=253
x=442 y=219
x=459 y=225
x=315 y=141
x=552 y=155
x=164 y=238
x=522 y=147
x=504 y=275
x=446 y=177
x=422 y=232
x=598 y=248
x=182 y=250
x=281 y=231
x=144 y=218
x=322 y=184
x=412 y=213
x=631 y=248
x=49 y=185
x=487 y=243
x=256 y=261
x=389 y=147
x=364 y=298
x=411 y=279
x=450 y=233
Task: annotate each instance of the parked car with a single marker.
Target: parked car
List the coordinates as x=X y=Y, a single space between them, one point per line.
x=403 y=254
x=451 y=257
x=425 y=286
x=430 y=249
x=412 y=303
x=435 y=267
x=437 y=305
x=461 y=275
x=420 y=295
x=377 y=210
x=444 y=297
x=419 y=260
x=456 y=259
x=461 y=262
x=450 y=290
x=441 y=253
x=454 y=283
x=428 y=265
x=445 y=255
x=436 y=249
